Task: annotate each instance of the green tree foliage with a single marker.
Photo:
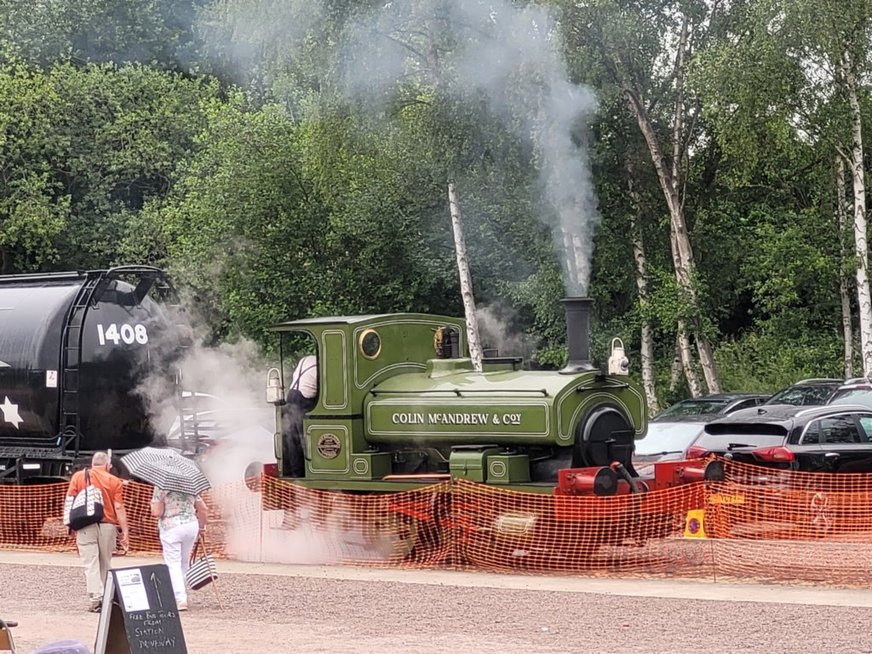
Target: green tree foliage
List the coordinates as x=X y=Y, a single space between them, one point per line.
x=386 y=221
x=81 y=152
x=241 y=227
x=274 y=220
x=156 y=32
x=776 y=113
x=33 y=207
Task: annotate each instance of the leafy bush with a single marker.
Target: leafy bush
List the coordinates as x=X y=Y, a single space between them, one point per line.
x=765 y=362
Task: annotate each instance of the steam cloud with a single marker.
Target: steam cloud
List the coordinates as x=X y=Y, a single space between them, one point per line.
x=295 y=535
x=508 y=54
x=495 y=325
x=231 y=411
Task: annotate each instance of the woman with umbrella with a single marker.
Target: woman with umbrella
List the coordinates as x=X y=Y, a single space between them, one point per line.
x=177 y=504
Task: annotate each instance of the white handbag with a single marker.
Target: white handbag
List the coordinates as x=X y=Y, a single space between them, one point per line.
x=86 y=508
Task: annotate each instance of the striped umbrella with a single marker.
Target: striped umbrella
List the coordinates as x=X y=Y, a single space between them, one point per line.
x=166 y=469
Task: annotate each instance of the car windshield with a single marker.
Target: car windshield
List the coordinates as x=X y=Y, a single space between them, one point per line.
x=802 y=396
x=668 y=437
x=694 y=408
x=853 y=396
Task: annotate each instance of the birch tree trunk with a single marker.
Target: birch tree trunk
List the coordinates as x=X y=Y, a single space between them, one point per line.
x=647 y=336
x=687 y=360
x=842 y=219
x=858 y=177
x=676 y=368
x=669 y=178
x=465 y=278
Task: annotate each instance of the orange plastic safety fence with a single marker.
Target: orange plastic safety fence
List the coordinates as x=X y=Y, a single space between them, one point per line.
x=786 y=525
x=31 y=517
x=757 y=524
x=628 y=534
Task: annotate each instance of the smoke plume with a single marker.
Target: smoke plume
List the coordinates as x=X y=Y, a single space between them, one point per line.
x=497 y=333
x=510 y=55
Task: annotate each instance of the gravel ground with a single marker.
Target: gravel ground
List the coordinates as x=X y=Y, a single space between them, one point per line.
x=265 y=614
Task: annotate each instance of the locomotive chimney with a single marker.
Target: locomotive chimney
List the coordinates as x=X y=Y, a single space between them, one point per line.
x=577 y=311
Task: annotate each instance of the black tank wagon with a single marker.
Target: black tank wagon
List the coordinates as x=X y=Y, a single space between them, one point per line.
x=74 y=348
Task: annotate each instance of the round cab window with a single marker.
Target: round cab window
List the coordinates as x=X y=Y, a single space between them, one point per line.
x=370 y=344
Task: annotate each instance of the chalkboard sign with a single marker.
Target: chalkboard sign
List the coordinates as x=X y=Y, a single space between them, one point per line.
x=139 y=614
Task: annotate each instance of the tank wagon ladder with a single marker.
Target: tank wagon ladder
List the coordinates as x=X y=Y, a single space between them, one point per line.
x=71 y=342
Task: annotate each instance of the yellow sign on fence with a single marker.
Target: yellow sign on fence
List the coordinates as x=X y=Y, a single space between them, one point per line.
x=694 y=524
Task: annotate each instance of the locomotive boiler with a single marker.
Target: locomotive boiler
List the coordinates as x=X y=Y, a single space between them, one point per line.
x=400 y=406
x=74 y=349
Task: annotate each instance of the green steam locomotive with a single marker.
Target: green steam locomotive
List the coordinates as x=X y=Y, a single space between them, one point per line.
x=399 y=406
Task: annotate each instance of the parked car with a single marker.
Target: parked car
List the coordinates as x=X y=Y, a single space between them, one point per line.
x=718 y=404
x=673 y=432
x=807 y=392
x=669 y=440
x=853 y=391
x=831 y=438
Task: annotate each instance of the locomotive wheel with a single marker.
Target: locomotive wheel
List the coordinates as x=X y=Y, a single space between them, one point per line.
x=394 y=535
x=419 y=537
x=555 y=547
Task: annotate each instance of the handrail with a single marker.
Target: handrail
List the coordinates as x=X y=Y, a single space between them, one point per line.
x=611 y=384
x=72 y=274
x=459 y=392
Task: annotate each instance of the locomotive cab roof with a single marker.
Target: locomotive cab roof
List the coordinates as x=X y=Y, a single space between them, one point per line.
x=304 y=324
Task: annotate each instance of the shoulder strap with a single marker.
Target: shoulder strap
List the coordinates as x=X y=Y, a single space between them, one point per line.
x=87 y=478
x=202 y=538
x=303 y=371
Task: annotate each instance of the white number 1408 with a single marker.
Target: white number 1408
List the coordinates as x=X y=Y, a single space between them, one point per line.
x=125 y=333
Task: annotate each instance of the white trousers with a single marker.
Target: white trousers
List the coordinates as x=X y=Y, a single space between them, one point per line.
x=177 y=544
